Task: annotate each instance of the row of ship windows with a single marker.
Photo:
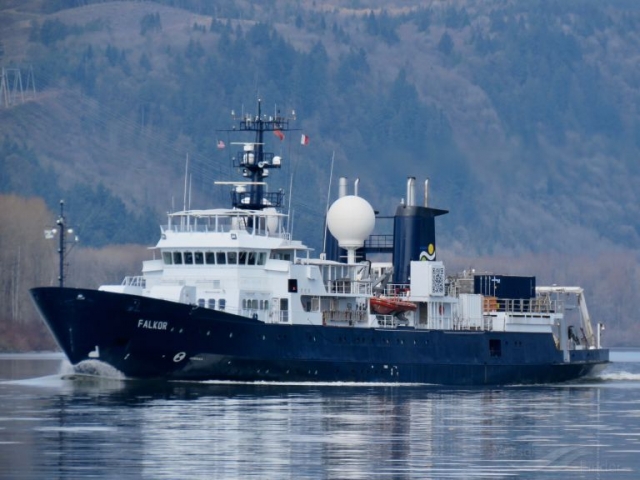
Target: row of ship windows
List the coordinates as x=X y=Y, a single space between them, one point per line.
x=214 y=258
x=254 y=304
x=211 y=303
x=247 y=304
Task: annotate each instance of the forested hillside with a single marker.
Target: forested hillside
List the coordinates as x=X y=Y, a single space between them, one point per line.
x=524 y=115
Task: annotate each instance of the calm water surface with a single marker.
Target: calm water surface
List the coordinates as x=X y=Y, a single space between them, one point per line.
x=57 y=424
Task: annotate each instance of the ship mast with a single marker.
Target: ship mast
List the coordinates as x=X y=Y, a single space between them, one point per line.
x=62 y=231
x=62 y=247
x=255 y=162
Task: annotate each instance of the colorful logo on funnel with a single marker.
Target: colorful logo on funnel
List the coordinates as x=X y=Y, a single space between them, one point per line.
x=429 y=254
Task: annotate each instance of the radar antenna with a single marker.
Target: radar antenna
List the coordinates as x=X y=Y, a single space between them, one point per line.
x=255 y=162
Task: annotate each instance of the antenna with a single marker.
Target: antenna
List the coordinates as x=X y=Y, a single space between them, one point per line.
x=186 y=172
x=253 y=162
x=324 y=240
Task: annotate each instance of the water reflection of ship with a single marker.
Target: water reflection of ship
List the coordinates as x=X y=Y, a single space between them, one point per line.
x=317 y=431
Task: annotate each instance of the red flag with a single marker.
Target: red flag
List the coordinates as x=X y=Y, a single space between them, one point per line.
x=221 y=144
x=279 y=134
x=304 y=140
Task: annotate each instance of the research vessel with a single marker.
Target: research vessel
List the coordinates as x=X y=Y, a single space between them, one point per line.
x=231 y=296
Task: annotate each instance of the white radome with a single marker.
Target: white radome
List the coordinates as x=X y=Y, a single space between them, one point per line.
x=351 y=220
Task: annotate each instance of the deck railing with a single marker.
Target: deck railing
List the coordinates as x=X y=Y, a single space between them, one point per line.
x=134 y=281
x=540 y=304
x=224 y=229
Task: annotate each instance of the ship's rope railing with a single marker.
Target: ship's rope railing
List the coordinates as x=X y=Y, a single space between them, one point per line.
x=134 y=281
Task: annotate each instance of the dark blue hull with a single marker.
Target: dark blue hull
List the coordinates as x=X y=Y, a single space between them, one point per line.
x=149 y=338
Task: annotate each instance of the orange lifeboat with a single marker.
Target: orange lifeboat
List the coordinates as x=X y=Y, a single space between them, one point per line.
x=390 y=305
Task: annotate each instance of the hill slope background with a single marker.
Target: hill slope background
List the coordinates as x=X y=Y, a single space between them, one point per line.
x=523 y=114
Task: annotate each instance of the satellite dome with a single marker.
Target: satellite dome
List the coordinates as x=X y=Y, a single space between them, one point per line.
x=351 y=220
x=273 y=221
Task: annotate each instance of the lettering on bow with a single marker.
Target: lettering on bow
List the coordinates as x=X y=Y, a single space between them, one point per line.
x=152 y=324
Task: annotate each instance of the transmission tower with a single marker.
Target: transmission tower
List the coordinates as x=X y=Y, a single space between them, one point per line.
x=11 y=90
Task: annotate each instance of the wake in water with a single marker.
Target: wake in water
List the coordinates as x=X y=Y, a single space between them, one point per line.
x=93 y=368
x=621 y=376
x=309 y=384
x=88 y=373
x=617 y=372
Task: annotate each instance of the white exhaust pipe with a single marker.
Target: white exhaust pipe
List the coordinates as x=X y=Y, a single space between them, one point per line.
x=411 y=191
x=426 y=192
x=342 y=187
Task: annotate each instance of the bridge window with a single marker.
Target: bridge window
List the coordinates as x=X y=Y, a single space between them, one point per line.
x=188 y=258
x=201 y=302
x=262 y=258
x=210 y=258
x=242 y=258
x=212 y=303
x=221 y=258
x=177 y=258
x=198 y=258
x=232 y=258
x=222 y=304
x=166 y=256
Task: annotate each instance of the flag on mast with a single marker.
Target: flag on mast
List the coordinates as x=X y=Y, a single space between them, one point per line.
x=279 y=134
x=221 y=144
x=304 y=140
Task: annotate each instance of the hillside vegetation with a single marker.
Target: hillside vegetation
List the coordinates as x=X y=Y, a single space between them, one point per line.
x=524 y=115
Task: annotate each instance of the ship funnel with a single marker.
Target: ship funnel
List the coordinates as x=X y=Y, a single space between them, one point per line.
x=426 y=192
x=414 y=233
x=411 y=191
x=355 y=186
x=342 y=187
